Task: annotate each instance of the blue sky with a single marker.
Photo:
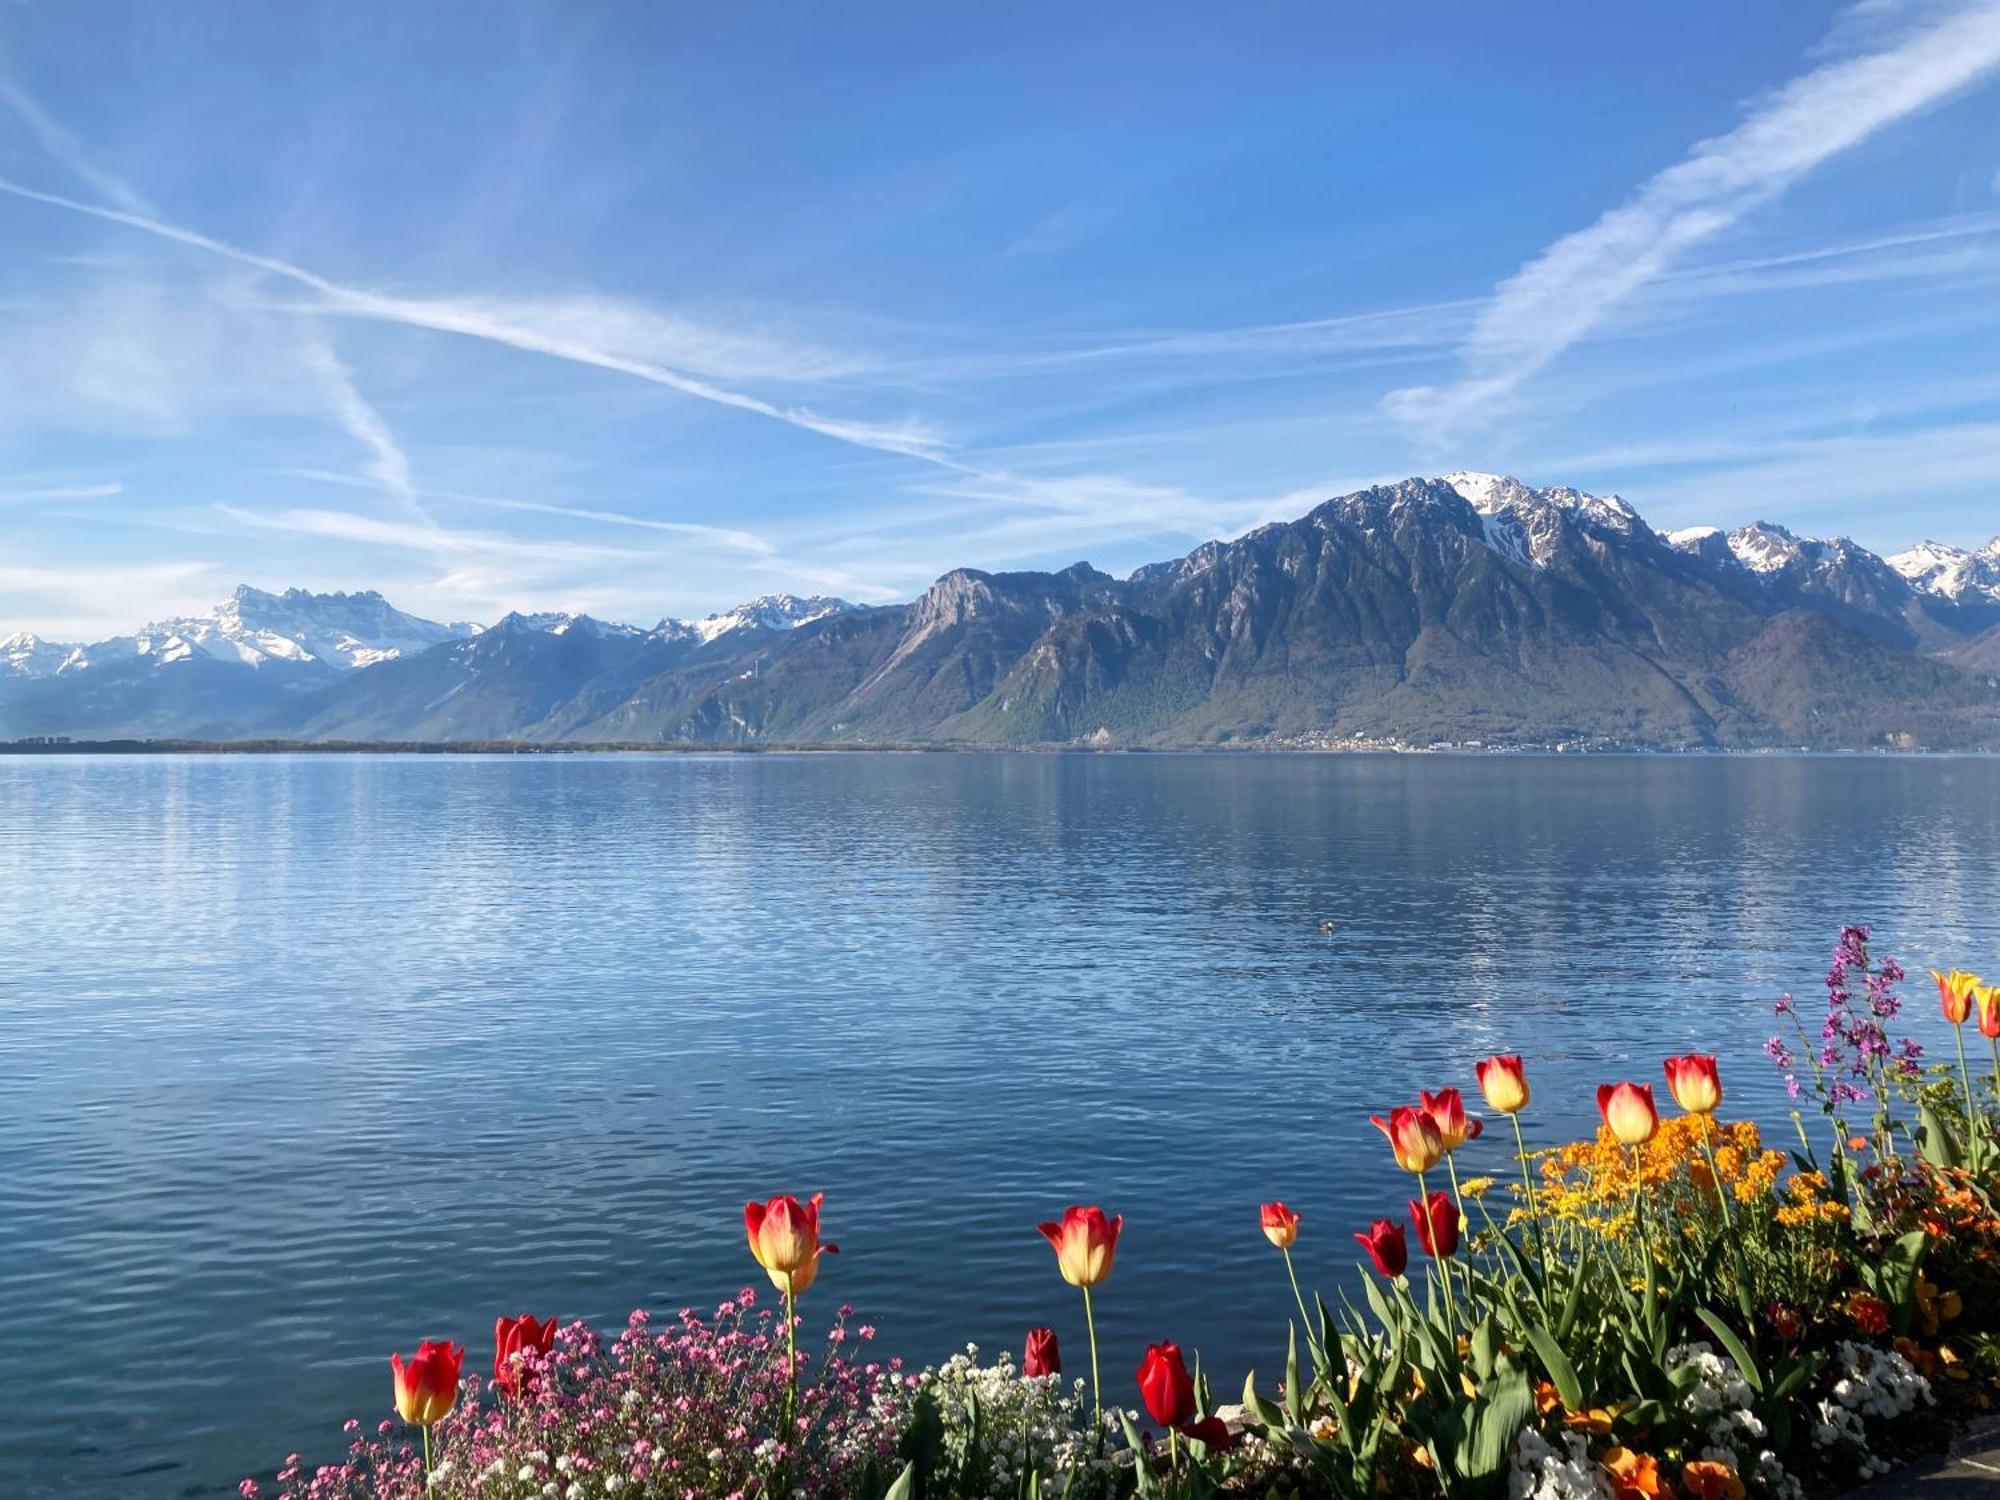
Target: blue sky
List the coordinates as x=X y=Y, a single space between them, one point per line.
x=646 y=309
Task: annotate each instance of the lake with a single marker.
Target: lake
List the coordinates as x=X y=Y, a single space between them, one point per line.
x=305 y=1058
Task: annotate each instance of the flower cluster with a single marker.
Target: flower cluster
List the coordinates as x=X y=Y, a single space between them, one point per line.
x=689 y=1410
x=1592 y=1182
x=1000 y=1424
x=1874 y=1384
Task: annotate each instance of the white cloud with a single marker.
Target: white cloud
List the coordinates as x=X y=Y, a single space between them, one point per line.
x=498 y=322
x=61 y=493
x=1577 y=282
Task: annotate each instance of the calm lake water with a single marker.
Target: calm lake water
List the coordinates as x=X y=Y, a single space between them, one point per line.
x=302 y=1059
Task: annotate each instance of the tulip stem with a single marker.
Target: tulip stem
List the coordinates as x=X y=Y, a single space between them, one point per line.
x=791 y=1367
x=1096 y=1383
x=1465 y=1231
x=1974 y=1118
x=425 y=1428
x=1534 y=1209
x=1715 y=1171
x=1312 y=1334
x=1428 y=1238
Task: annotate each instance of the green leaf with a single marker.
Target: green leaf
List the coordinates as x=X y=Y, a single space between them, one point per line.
x=905 y=1485
x=1935 y=1142
x=1149 y=1485
x=1294 y=1395
x=1738 y=1351
x=1258 y=1407
x=1562 y=1374
x=1505 y=1407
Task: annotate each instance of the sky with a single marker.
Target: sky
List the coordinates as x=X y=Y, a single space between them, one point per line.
x=648 y=309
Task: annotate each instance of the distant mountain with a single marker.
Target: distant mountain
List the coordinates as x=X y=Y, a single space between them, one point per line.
x=1467 y=608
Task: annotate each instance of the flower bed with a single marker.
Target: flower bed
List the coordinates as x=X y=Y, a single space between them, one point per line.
x=1672 y=1308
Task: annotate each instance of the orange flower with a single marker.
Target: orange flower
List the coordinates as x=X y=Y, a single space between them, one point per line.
x=1955 y=994
x=1987 y=998
x=1869 y=1312
x=1446 y=1109
x=1711 y=1479
x=1085 y=1243
x=784 y=1237
x=1634 y=1476
x=1504 y=1083
x=1697 y=1087
x=427 y=1386
x=1281 y=1225
x=1629 y=1110
x=1412 y=1137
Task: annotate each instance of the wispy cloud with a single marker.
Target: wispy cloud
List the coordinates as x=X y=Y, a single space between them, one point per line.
x=490 y=321
x=1558 y=298
x=388 y=466
x=75 y=603
x=67 y=150
x=61 y=494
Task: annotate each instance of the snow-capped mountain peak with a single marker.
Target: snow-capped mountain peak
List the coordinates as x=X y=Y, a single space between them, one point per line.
x=1952 y=572
x=770 y=612
x=24 y=654
x=1525 y=524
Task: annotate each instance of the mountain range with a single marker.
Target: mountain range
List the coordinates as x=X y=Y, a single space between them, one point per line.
x=1470 y=607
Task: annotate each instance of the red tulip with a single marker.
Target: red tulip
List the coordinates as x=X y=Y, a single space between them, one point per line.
x=1436 y=1221
x=1281 y=1225
x=1085 y=1243
x=1446 y=1109
x=512 y=1336
x=1955 y=991
x=427 y=1386
x=1504 y=1082
x=1386 y=1246
x=1412 y=1137
x=1168 y=1392
x=784 y=1237
x=1695 y=1083
x=1043 y=1356
x=1629 y=1110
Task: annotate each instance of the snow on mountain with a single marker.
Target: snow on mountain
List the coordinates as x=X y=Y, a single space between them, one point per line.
x=1952 y=572
x=771 y=612
x=1764 y=547
x=253 y=628
x=1691 y=538
x=1524 y=524
x=562 y=622
x=26 y=655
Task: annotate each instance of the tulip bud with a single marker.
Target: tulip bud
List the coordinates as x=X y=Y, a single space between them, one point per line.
x=1504 y=1082
x=1955 y=992
x=427 y=1386
x=1446 y=1110
x=514 y=1336
x=1629 y=1111
x=1281 y=1225
x=1436 y=1222
x=1043 y=1356
x=1085 y=1243
x=1695 y=1083
x=1165 y=1385
x=1386 y=1246
x=1412 y=1138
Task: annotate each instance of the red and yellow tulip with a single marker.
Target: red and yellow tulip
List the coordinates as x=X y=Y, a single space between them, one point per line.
x=784 y=1238
x=1695 y=1082
x=1281 y=1225
x=427 y=1387
x=1504 y=1082
x=1413 y=1138
x=1629 y=1111
x=1955 y=994
x=1085 y=1242
x=1446 y=1110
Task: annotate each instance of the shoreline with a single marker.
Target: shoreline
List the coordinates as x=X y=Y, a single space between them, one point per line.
x=57 y=746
